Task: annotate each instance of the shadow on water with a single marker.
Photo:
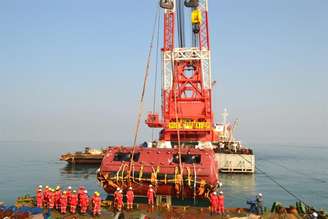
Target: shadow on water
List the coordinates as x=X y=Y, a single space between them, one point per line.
x=77 y=171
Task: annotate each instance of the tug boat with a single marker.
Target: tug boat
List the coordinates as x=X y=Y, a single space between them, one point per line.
x=195 y=176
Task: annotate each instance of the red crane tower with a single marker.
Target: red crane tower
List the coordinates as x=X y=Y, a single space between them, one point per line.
x=187 y=114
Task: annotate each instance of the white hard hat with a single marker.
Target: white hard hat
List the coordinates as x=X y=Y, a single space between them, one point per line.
x=315 y=214
x=118 y=189
x=86 y=191
x=130 y=187
x=221 y=192
x=121 y=190
x=40 y=186
x=69 y=187
x=260 y=194
x=150 y=185
x=47 y=187
x=214 y=193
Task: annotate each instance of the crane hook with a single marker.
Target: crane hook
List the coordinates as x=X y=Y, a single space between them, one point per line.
x=191 y=3
x=166 y=4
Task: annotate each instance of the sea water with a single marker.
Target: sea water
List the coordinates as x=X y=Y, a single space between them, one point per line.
x=300 y=169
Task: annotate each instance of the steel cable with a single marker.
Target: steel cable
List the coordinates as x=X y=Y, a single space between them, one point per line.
x=156 y=74
x=297 y=172
x=141 y=103
x=276 y=182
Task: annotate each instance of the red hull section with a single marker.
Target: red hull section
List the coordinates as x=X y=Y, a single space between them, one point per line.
x=159 y=167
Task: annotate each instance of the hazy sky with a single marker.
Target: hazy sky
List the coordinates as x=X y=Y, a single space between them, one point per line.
x=72 y=70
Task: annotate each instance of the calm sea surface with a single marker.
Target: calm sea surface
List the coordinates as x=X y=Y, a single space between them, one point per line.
x=303 y=170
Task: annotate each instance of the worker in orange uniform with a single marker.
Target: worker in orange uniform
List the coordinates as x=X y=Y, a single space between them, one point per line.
x=120 y=200
x=96 y=204
x=129 y=198
x=214 y=202
x=51 y=198
x=151 y=195
x=221 y=203
x=45 y=196
x=63 y=203
x=39 y=198
x=115 y=196
x=57 y=197
x=69 y=193
x=80 y=192
x=84 y=202
x=73 y=202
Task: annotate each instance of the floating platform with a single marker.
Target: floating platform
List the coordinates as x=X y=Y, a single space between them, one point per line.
x=236 y=163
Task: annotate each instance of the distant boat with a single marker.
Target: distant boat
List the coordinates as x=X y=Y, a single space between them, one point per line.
x=89 y=156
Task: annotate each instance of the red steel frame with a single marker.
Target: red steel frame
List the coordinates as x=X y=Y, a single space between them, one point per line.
x=187 y=103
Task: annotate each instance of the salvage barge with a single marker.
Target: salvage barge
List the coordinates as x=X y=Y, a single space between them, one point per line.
x=88 y=156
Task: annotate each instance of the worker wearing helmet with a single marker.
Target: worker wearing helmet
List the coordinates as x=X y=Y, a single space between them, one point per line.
x=39 y=198
x=120 y=200
x=73 y=202
x=57 y=197
x=84 y=202
x=51 y=198
x=63 y=202
x=69 y=193
x=151 y=196
x=214 y=202
x=221 y=203
x=46 y=196
x=129 y=198
x=80 y=191
x=115 y=196
x=96 y=204
x=259 y=204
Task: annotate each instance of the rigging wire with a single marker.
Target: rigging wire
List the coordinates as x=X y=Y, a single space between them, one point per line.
x=156 y=74
x=141 y=103
x=297 y=172
x=180 y=18
x=277 y=183
x=176 y=119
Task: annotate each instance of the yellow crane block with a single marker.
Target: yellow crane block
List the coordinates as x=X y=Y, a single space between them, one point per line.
x=196 y=16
